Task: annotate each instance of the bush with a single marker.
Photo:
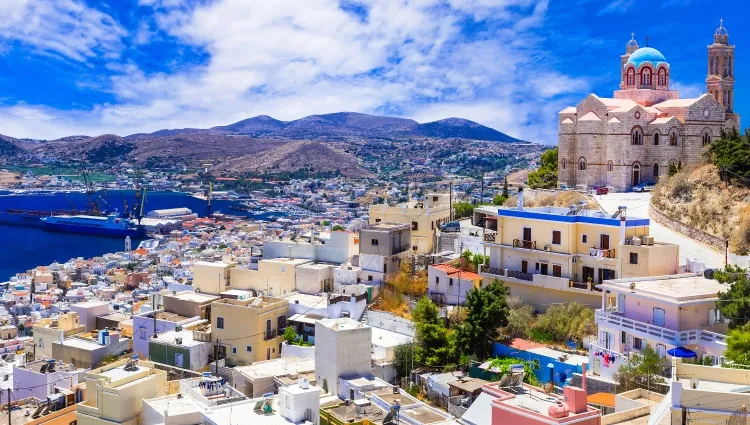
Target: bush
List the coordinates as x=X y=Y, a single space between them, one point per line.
x=563 y=322
x=520 y=318
x=504 y=364
x=545 y=177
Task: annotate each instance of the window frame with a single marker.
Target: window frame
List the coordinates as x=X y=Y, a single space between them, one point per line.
x=633 y=256
x=559 y=237
x=220 y=319
x=663 y=316
x=584 y=238
x=557 y=270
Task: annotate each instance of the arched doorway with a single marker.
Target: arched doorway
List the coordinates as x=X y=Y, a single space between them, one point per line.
x=656 y=171
x=636 y=174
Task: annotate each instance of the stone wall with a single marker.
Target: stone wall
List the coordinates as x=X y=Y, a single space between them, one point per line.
x=680 y=227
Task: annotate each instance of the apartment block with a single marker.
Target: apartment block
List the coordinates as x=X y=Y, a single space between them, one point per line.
x=88 y=311
x=211 y=277
x=424 y=217
x=326 y=247
x=116 y=391
x=47 y=331
x=549 y=255
x=382 y=249
x=249 y=330
x=343 y=348
x=274 y=277
x=145 y=325
x=664 y=312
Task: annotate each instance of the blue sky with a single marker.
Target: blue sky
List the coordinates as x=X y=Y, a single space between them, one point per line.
x=126 y=66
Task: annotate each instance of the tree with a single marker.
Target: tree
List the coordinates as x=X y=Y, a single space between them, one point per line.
x=486 y=313
x=499 y=200
x=738 y=345
x=289 y=335
x=647 y=364
x=562 y=322
x=402 y=360
x=731 y=155
x=520 y=318
x=735 y=302
x=338 y=228
x=506 y=194
x=545 y=177
x=463 y=209
x=433 y=347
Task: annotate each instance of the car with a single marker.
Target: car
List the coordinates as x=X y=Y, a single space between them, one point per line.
x=451 y=226
x=602 y=190
x=643 y=187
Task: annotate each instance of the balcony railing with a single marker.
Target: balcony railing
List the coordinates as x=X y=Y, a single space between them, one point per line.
x=520 y=275
x=490 y=237
x=694 y=336
x=579 y=285
x=492 y=270
x=518 y=243
x=605 y=253
x=270 y=334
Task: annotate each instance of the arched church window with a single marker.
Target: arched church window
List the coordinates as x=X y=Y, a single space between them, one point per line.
x=656 y=171
x=636 y=136
x=646 y=77
x=631 y=77
x=610 y=166
x=706 y=137
x=656 y=137
x=582 y=164
x=662 y=77
x=673 y=137
x=564 y=163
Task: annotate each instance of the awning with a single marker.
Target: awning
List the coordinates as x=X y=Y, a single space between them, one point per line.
x=602 y=399
x=682 y=352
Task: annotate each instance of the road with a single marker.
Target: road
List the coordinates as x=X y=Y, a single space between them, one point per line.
x=637 y=204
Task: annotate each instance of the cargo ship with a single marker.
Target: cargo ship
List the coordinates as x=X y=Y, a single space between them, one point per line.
x=110 y=226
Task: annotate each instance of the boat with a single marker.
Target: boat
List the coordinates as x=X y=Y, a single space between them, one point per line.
x=110 y=226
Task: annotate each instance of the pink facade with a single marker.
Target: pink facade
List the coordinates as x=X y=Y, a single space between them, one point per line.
x=530 y=407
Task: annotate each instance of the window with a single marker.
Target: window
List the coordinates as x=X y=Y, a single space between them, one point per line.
x=527 y=233
x=623 y=337
x=633 y=258
x=714 y=316
x=673 y=138
x=584 y=238
x=706 y=138
x=249 y=349
x=545 y=269
x=556 y=270
x=378 y=220
x=658 y=316
x=636 y=136
x=646 y=77
x=564 y=164
x=414 y=225
x=143 y=335
x=450 y=282
x=369 y=278
x=631 y=77
x=656 y=171
x=437 y=279
x=604 y=242
x=234 y=350
x=662 y=77
x=610 y=166
x=656 y=138
x=661 y=350
x=524 y=266
x=556 y=237
x=582 y=164
x=375 y=242
x=219 y=323
x=638 y=343
x=178 y=359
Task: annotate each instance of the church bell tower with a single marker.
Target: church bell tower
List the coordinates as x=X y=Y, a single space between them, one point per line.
x=720 y=80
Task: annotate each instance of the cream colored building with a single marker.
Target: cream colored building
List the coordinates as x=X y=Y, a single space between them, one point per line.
x=550 y=255
x=47 y=331
x=115 y=393
x=274 y=277
x=249 y=330
x=211 y=277
x=424 y=217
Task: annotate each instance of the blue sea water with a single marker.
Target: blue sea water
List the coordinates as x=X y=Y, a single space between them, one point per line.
x=23 y=248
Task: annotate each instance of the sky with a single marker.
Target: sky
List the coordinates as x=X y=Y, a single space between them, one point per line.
x=70 y=67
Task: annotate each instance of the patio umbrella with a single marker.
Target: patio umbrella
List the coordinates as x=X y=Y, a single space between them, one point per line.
x=682 y=352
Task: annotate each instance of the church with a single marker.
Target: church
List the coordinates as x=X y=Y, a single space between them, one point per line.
x=634 y=136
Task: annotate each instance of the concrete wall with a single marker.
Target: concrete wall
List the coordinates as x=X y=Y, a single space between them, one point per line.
x=313 y=279
x=297 y=351
x=88 y=311
x=211 y=278
x=341 y=350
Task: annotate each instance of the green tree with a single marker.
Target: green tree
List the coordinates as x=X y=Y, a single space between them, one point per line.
x=734 y=302
x=738 y=345
x=289 y=335
x=463 y=209
x=506 y=194
x=731 y=155
x=562 y=322
x=433 y=347
x=646 y=366
x=545 y=177
x=402 y=360
x=520 y=318
x=338 y=228
x=499 y=200
x=486 y=313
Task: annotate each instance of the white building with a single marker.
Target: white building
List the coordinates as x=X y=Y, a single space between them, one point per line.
x=313 y=278
x=343 y=348
x=88 y=312
x=39 y=379
x=334 y=247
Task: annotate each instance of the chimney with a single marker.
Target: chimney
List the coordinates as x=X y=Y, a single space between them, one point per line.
x=520 y=198
x=623 y=219
x=583 y=376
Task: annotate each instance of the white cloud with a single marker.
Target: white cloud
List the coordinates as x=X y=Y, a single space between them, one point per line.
x=289 y=58
x=63 y=27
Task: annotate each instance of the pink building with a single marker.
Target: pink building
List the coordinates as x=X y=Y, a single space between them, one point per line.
x=663 y=312
x=529 y=405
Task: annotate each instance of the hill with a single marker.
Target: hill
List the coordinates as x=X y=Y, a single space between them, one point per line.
x=9 y=146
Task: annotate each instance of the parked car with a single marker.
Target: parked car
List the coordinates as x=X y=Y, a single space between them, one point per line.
x=601 y=190
x=451 y=226
x=643 y=187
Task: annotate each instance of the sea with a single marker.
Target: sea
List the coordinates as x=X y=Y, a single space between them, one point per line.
x=23 y=248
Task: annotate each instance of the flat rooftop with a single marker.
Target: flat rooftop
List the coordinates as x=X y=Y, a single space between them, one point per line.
x=345 y=413
x=118 y=373
x=342 y=324
x=316 y=266
x=306 y=300
x=277 y=367
x=536 y=401
x=193 y=296
x=386 y=338
x=560 y=214
x=425 y=415
x=170 y=338
x=715 y=386
x=84 y=344
x=679 y=288
x=286 y=260
x=385 y=226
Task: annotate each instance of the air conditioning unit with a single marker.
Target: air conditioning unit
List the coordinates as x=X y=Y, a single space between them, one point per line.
x=648 y=240
x=548 y=248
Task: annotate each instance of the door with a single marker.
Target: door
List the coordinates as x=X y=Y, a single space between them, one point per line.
x=526 y=234
x=544 y=268
x=636 y=175
x=604 y=242
x=524 y=266
x=621 y=303
x=588 y=272
x=268 y=353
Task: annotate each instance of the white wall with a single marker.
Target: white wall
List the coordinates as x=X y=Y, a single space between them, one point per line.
x=341 y=352
x=338 y=249
x=28 y=383
x=310 y=279
x=88 y=312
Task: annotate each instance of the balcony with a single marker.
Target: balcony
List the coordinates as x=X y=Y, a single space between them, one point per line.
x=490 y=237
x=401 y=248
x=520 y=275
x=602 y=253
x=485 y=268
x=676 y=338
x=270 y=334
x=518 y=243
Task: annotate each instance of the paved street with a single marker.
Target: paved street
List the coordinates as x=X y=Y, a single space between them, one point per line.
x=637 y=204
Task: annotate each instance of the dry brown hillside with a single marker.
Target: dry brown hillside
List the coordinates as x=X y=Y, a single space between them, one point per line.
x=698 y=198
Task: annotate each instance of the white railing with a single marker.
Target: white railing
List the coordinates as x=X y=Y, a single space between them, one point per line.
x=661 y=409
x=668 y=335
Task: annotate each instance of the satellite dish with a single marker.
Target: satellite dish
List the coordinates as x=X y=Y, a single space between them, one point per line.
x=549 y=387
x=388 y=418
x=197 y=290
x=694 y=383
x=632 y=286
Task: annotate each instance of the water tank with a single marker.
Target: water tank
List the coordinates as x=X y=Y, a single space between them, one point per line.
x=636 y=241
x=559 y=410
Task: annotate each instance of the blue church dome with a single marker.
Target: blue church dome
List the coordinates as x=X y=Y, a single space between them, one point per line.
x=647 y=54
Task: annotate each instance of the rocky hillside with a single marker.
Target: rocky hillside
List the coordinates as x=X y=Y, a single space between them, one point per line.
x=698 y=198
x=9 y=146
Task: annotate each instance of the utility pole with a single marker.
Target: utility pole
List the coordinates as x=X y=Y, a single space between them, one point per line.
x=450 y=201
x=684 y=415
x=481 y=192
x=216 y=357
x=9 y=416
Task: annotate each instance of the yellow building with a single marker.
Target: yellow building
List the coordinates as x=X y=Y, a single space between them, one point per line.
x=424 y=217
x=274 y=277
x=249 y=330
x=211 y=277
x=115 y=392
x=48 y=331
x=549 y=255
